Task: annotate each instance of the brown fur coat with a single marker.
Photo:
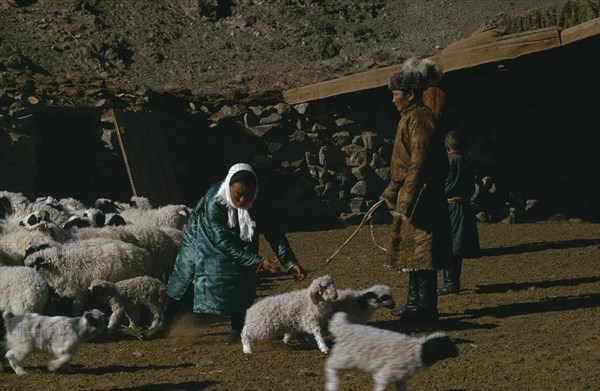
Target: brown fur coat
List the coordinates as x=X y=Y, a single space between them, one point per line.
x=418 y=169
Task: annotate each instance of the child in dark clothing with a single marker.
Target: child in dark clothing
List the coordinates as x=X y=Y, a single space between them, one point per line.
x=459 y=186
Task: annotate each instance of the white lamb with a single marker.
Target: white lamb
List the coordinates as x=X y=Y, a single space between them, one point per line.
x=361 y=304
x=22 y=289
x=126 y=297
x=174 y=216
x=70 y=268
x=305 y=310
x=389 y=356
x=58 y=335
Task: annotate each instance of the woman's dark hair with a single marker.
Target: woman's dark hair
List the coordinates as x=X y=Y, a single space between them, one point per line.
x=243 y=176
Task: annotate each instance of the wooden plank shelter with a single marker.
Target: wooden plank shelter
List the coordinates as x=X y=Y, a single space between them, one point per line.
x=491 y=48
x=585 y=30
x=143 y=143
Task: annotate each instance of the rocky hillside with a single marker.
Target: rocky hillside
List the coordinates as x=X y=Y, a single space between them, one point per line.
x=212 y=46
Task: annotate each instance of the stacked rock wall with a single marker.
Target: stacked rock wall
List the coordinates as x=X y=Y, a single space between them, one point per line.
x=533 y=141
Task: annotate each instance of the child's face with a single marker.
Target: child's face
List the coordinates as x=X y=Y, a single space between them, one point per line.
x=402 y=99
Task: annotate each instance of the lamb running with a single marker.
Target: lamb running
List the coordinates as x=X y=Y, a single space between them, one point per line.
x=389 y=356
x=59 y=335
x=361 y=304
x=126 y=297
x=304 y=310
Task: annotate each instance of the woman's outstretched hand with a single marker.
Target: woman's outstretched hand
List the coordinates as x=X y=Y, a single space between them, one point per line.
x=297 y=271
x=268 y=265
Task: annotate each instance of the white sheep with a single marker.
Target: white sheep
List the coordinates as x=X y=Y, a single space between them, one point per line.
x=304 y=310
x=50 y=209
x=13 y=205
x=361 y=304
x=15 y=241
x=90 y=217
x=71 y=267
x=16 y=207
x=71 y=204
x=161 y=242
x=389 y=356
x=22 y=289
x=126 y=297
x=34 y=218
x=107 y=205
x=107 y=232
x=174 y=216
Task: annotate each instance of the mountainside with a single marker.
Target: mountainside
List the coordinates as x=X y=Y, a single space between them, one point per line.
x=212 y=46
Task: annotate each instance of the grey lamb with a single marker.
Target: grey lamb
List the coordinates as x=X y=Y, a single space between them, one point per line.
x=389 y=356
x=125 y=298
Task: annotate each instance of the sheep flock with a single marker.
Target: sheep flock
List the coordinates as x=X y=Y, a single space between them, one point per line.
x=123 y=253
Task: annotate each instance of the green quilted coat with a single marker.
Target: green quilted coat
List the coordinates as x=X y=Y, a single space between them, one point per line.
x=220 y=264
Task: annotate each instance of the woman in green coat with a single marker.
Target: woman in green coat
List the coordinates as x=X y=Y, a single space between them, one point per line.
x=219 y=253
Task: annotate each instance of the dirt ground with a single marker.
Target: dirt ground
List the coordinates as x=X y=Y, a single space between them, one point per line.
x=527 y=319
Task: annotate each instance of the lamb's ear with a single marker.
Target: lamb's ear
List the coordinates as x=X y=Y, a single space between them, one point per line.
x=313 y=297
x=99 y=219
x=116 y=220
x=31 y=220
x=31 y=249
x=369 y=296
x=40 y=263
x=106 y=206
x=98 y=289
x=7 y=315
x=366 y=299
x=89 y=316
x=76 y=222
x=94 y=318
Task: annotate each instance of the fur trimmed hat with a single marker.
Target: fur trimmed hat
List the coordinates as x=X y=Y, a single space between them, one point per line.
x=417 y=74
x=408 y=79
x=428 y=68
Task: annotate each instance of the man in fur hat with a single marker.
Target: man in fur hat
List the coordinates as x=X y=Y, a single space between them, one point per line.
x=420 y=238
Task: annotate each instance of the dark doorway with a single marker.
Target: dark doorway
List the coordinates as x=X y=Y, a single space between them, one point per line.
x=73 y=160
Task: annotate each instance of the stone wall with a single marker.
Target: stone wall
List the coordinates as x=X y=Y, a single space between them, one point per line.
x=533 y=140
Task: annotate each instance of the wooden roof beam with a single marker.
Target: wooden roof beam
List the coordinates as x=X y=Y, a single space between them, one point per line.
x=505 y=48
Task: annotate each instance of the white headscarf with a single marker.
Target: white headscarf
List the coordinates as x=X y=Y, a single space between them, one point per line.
x=236 y=215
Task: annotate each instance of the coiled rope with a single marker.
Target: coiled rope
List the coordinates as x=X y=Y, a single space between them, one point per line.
x=366 y=217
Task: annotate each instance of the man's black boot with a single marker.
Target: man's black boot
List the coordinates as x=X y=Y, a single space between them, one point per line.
x=452 y=278
x=412 y=301
x=428 y=300
x=426 y=312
